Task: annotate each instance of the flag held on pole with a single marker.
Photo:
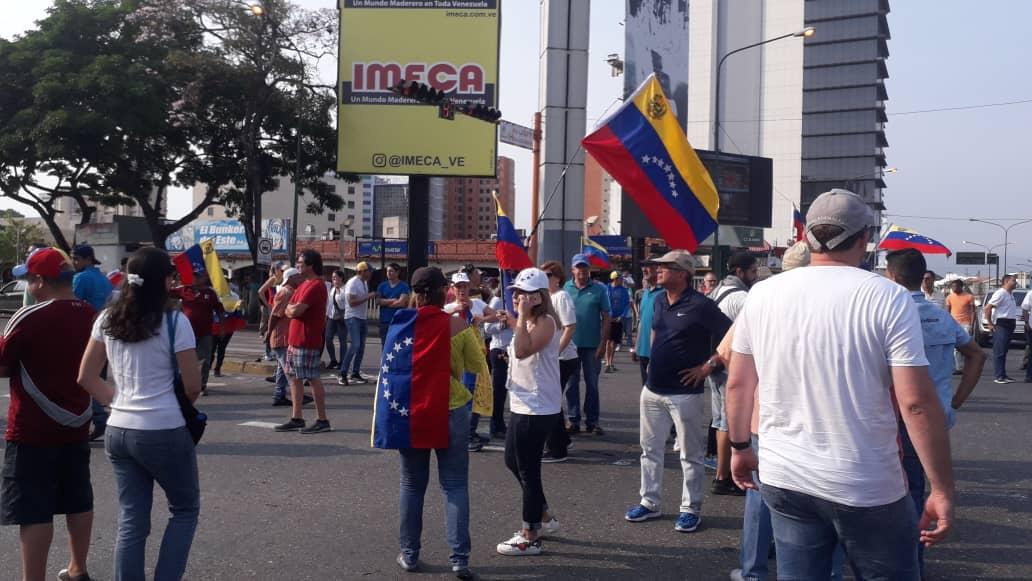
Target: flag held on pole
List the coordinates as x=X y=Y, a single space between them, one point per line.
x=644 y=148
x=799 y=224
x=898 y=238
x=596 y=253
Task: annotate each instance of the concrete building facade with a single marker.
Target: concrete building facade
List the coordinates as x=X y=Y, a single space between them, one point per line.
x=469 y=209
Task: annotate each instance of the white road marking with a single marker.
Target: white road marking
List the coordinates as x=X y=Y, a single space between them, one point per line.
x=266 y=425
x=216 y=384
x=493 y=448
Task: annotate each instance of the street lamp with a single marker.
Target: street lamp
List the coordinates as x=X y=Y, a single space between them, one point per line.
x=988 y=251
x=258 y=10
x=804 y=33
x=1006 y=234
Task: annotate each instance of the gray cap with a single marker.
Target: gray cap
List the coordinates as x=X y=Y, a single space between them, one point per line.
x=840 y=208
x=676 y=259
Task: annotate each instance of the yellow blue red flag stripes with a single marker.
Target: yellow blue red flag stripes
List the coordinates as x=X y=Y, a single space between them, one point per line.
x=596 y=253
x=509 y=250
x=644 y=148
x=899 y=238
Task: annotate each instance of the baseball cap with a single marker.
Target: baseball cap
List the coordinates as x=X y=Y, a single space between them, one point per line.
x=530 y=280
x=838 y=207
x=362 y=266
x=676 y=259
x=459 y=277
x=45 y=262
x=428 y=278
x=85 y=251
x=580 y=259
x=614 y=275
x=796 y=256
x=290 y=271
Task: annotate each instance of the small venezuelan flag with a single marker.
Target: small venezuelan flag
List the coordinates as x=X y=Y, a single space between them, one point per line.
x=644 y=148
x=596 y=253
x=899 y=238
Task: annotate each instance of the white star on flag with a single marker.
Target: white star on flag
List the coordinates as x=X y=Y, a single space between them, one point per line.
x=394 y=405
x=673 y=193
x=403 y=412
x=644 y=159
x=386 y=369
x=385 y=382
x=408 y=341
x=390 y=357
x=386 y=394
x=397 y=346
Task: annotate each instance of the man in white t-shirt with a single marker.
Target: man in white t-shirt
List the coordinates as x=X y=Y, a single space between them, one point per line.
x=825 y=367
x=1002 y=314
x=356 y=295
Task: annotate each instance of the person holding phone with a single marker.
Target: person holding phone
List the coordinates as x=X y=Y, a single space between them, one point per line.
x=535 y=398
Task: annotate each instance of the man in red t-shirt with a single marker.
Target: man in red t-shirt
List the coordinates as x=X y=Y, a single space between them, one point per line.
x=47 y=462
x=307 y=313
x=201 y=305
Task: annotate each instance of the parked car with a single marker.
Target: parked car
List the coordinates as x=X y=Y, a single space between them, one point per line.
x=982 y=334
x=11 y=295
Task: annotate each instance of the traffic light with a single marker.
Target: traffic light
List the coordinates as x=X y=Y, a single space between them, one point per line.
x=480 y=111
x=446 y=108
x=419 y=91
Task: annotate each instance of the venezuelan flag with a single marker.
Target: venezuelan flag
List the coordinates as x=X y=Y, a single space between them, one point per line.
x=509 y=250
x=596 y=253
x=799 y=224
x=644 y=148
x=899 y=238
x=203 y=258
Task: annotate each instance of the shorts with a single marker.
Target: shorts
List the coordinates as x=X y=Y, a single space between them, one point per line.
x=303 y=363
x=616 y=331
x=716 y=383
x=41 y=481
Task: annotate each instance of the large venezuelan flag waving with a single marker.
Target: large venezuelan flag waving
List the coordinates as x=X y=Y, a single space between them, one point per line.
x=898 y=238
x=644 y=148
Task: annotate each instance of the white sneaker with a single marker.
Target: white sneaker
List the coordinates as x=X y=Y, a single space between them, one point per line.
x=551 y=527
x=519 y=546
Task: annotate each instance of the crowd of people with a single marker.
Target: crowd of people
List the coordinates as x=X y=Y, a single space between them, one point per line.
x=832 y=384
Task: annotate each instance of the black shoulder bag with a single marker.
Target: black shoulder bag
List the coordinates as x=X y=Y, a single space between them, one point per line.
x=195 y=421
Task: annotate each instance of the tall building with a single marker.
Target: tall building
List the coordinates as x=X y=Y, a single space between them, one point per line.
x=470 y=209
x=389 y=199
x=602 y=196
x=816 y=106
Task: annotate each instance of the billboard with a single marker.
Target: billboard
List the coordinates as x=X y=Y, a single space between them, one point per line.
x=656 y=41
x=453 y=47
x=228 y=235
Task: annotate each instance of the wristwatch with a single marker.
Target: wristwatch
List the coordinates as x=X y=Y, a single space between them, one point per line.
x=742 y=445
x=713 y=364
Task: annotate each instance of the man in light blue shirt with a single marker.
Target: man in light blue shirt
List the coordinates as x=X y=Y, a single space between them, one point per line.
x=942 y=334
x=645 y=308
x=89 y=283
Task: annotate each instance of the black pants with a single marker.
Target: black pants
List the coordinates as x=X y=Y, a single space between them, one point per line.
x=524 y=443
x=558 y=439
x=218 y=352
x=643 y=366
x=499 y=376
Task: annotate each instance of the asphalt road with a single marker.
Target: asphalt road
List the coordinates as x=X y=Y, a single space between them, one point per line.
x=286 y=506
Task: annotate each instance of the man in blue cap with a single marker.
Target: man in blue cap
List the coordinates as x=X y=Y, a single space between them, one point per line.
x=89 y=283
x=591 y=301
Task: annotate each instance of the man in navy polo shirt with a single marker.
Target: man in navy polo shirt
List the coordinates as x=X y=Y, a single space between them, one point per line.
x=591 y=301
x=686 y=327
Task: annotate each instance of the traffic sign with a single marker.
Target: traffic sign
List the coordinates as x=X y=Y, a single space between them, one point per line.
x=265 y=251
x=971 y=258
x=517 y=135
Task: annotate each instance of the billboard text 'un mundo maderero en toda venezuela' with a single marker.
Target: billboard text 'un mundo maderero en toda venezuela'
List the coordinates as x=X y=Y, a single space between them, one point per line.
x=451 y=45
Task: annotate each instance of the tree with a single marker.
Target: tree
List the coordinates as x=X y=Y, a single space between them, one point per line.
x=16 y=234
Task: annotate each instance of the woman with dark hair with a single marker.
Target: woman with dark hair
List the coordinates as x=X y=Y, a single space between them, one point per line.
x=143 y=341
x=466 y=352
x=535 y=399
x=558 y=444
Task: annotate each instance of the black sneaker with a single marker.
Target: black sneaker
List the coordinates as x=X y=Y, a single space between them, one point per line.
x=474 y=445
x=462 y=572
x=332 y=365
x=594 y=431
x=480 y=438
x=409 y=566
x=357 y=378
x=294 y=425
x=270 y=378
x=726 y=487
x=551 y=458
x=318 y=427
x=281 y=402
x=342 y=380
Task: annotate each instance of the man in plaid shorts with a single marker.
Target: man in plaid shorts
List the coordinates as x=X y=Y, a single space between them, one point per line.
x=307 y=314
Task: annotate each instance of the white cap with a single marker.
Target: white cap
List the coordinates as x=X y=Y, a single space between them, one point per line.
x=290 y=271
x=530 y=280
x=459 y=277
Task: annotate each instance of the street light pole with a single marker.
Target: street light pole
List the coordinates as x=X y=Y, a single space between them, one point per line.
x=988 y=251
x=715 y=258
x=1006 y=235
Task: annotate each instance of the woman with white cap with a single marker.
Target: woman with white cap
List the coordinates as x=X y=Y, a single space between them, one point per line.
x=535 y=399
x=474 y=312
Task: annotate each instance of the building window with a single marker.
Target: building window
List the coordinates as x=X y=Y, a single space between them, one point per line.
x=331 y=217
x=351 y=204
x=351 y=189
x=211 y=211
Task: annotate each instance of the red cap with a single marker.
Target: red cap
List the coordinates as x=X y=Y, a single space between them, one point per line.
x=46 y=262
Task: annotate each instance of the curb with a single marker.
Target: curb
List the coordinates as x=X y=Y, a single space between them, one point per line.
x=249 y=367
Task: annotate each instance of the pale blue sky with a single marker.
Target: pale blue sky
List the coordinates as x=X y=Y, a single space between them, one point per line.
x=944 y=53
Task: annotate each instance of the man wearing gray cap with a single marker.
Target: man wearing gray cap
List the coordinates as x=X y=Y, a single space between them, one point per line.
x=825 y=367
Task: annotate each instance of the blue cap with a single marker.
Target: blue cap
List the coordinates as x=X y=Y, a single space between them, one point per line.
x=85 y=251
x=580 y=259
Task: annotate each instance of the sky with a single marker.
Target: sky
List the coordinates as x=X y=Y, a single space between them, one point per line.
x=953 y=165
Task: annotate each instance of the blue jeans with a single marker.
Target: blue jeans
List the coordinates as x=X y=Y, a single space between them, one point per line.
x=915 y=480
x=357 y=331
x=335 y=329
x=139 y=458
x=758 y=534
x=282 y=381
x=384 y=326
x=881 y=541
x=453 y=475
x=591 y=367
x=1001 y=343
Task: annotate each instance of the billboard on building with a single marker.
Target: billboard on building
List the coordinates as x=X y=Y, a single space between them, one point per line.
x=228 y=235
x=453 y=47
x=656 y=41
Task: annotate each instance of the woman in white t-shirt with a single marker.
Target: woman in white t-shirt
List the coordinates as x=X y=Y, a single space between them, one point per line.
x=535 y=399
x=146 y=438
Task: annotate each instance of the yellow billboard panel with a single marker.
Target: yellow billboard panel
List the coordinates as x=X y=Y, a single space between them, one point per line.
x=451 y=45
